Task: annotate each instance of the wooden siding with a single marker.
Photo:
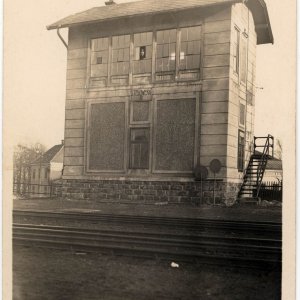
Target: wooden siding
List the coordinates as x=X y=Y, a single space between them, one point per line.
x=239 y=92
x=218 y=89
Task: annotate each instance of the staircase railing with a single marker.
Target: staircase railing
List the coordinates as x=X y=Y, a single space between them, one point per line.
x=252 y=179
x=269 y=143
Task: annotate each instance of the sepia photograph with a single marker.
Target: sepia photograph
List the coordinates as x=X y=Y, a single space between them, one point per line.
x=149 y=149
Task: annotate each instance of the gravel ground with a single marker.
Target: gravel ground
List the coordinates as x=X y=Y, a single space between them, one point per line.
x=42 y=274
x=245 y=213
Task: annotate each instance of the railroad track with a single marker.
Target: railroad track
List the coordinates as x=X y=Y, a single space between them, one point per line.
x=256 y=252
x=260 y=229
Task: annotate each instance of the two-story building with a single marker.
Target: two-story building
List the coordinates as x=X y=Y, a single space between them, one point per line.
x=156 y=89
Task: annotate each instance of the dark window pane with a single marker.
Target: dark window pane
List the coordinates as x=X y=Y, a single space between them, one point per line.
x=160 y=37
x=172 y=36
x=241 y=150
x=194 y=33
x=184 y=34
x=159 y=51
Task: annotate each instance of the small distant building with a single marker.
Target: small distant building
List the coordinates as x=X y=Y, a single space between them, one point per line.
x=273 y=171
x=45 y=170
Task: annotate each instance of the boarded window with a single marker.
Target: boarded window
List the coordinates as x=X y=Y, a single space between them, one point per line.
x=142 y=62
x=107 y=135
x=236 y=51
x=166 y=50
x=139 y=148
x=175 y=135
x=241 y=150
x=33 y=174
x=120 y=55
x=99 y=57
x=243 y=59
x=190 y=48
x=140 y=111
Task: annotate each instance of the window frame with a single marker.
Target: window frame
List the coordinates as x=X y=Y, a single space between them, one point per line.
x=87 y=169
x=130 y=143
x=236 y=51
x=241 y=150
x=240 y=116
x=132 y=78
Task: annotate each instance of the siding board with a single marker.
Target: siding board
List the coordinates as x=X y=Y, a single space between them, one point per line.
x=75 y=114
x=74 y=151
x=217 y=26
x=215 y=72
x=211 y=96
x=75 y=84
x=215 y=49
x=71 y=104
x=214 y=107
x=77 y=53
x=79 y=63
x=73 y=161
x=217 y=38
x=215 y=84
x=74 y=142
x=74 y=124
x=69 y=133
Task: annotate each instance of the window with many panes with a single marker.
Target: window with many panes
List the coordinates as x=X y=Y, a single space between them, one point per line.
x=120 y=55
x=142 y=62
x=166 y=51
x=177 y=53
x=189 y=57
x=99 y=57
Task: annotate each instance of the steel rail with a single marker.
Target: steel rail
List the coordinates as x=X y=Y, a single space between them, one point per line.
x=212 y=248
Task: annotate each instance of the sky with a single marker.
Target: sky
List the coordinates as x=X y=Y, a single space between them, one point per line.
x=35 y=71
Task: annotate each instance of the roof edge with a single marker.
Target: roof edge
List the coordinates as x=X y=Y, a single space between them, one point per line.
x=57 y=26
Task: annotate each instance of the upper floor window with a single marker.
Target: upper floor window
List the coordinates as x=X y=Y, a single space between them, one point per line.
x=177 y=55
x=190 y=48
x=120 y=55
x=166 y=51
x=142 y=62
x=33 y=174
x=99 y=57
x=236 y=50
x=243 y=59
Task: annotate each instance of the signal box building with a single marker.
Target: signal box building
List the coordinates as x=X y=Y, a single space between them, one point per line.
x=156 y=89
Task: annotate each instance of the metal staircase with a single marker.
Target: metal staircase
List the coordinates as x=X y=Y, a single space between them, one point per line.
x=254 y=172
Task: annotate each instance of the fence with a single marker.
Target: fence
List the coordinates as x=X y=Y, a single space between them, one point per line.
x=33 y=190
x=271 y=191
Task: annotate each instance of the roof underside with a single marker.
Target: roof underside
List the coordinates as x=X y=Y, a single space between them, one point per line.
x=145 y=7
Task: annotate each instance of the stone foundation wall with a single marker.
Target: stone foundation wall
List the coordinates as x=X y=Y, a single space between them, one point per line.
x=151 y=192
